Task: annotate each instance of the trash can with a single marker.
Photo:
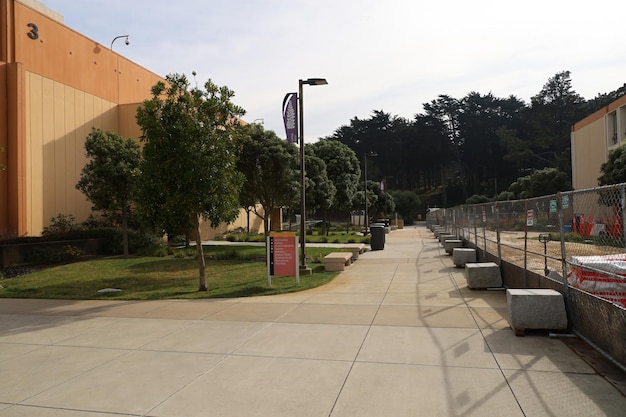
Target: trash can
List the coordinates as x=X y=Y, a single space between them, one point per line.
x=378 y=236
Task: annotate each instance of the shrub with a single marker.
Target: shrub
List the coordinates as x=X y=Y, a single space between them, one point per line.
x=60 y=224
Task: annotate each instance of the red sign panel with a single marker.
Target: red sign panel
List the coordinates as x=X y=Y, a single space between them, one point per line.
x=283 y=255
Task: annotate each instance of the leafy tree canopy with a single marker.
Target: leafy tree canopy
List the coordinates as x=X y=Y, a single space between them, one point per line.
x=188 y=171
x=108 y=179
x=614 y=169
x=269 y=166
x=541 y=182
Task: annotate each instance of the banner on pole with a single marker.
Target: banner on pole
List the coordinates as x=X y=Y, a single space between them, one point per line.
x=290 y=117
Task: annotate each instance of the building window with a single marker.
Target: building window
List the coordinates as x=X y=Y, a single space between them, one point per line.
x=621 y=124
x=611 y=128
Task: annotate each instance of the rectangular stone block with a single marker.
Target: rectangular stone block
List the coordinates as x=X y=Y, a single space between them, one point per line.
x=462 y=256
x=337 y=261
x=447 y=236
x=438 y=231
x=451 y=244
x=483 y=275
x=356 y=248
x=536 y=309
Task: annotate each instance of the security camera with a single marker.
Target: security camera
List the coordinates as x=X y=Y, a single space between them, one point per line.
x=127 y=42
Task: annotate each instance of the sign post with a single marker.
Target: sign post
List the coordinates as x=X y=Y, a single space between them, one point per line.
x=282 y=257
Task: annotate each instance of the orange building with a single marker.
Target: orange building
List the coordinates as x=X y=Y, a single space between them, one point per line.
x=55 y=85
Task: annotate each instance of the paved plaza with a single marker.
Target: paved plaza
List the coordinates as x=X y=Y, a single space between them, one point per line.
x=396 y=334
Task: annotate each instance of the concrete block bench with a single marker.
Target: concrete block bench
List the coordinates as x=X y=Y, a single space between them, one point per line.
x=462 y=256
x=446 y=236
x=337 y=261
x=483 y=275
x=451 y=244
x=356 y=249
x=438 y=231
x=536 y=309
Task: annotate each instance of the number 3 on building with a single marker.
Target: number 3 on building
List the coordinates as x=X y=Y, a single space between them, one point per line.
x=34 y=31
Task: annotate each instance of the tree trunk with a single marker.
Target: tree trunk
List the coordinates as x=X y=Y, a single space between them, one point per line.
x=200 y=253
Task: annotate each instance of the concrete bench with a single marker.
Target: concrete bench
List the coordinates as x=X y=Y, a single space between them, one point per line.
x=536 y=309
x=356 y=248
x=451 y=244
x=462 y=256
x=337 y=261
x=438 y=231
x=483 y=275
x=446 y=236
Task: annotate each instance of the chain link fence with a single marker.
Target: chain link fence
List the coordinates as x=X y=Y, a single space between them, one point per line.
x=571 y=241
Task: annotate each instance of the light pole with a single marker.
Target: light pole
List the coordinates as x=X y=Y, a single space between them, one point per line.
x=310 y=81
x=367 y=220
x=127 y=41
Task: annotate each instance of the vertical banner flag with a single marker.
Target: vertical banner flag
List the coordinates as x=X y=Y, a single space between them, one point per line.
x=382 y=186
x=290 y=107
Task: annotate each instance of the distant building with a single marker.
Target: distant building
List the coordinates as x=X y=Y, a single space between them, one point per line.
x=55 y=85
x=592 y=138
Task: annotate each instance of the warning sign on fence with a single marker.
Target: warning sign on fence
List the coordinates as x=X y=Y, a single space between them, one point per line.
x=530 y=217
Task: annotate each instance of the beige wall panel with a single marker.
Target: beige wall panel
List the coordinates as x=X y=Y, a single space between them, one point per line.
x=35 y=135
x=589 y=152
x=83 y=207
x=59 y=120
x=71 y=176
x=48 y=155
x=4 y=185
x=128 y=127
x=59 y=162
x=256 y=226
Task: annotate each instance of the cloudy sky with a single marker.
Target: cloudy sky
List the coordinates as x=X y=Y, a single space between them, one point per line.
x=391 y=55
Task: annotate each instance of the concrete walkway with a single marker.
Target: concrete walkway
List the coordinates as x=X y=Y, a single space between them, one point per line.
x=397 y=334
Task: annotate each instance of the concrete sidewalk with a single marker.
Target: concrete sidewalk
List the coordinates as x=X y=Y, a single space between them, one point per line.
x=396 y=334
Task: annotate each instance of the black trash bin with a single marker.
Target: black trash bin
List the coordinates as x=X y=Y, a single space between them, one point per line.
x=378 y=236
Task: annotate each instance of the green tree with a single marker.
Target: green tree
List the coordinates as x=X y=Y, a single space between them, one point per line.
x=544 y=138
x=320 y=190
x=383 y=204
x=343 y=169
x=407 y=204
x=109 y=178
x=541 y=182
x=188 y=171
x=614 y=169
x=268 y=164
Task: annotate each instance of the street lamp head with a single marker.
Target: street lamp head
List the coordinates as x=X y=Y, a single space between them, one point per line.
x=314 y=81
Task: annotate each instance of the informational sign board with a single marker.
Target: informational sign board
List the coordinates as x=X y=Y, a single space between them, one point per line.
x=565 y=202
x=530 y=217
x=282 y=256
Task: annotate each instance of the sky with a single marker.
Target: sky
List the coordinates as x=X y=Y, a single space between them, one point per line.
x=392 y=55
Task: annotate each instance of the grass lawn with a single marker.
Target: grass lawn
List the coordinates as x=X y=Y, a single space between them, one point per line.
x=233 y=271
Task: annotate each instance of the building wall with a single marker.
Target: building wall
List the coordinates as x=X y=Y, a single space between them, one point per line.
x=55 y=86
x=589 y=152
x=58 y=119
x=592 y=138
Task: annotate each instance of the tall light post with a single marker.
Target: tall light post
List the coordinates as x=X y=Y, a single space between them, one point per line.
x=367 y=220
x=310 y=81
